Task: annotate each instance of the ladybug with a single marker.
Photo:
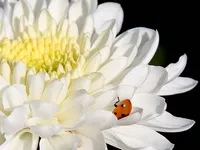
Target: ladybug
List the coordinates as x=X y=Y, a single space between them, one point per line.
x=123 y=109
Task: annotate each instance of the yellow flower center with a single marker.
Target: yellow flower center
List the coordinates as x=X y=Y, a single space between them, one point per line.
x=46 y=53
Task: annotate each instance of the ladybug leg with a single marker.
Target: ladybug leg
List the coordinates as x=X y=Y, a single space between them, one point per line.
x=117 y=102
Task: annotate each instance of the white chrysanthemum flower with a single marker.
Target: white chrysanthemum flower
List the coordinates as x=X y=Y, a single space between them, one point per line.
x=62 y=69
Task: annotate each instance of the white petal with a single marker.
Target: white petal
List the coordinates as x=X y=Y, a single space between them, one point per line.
x=177 y=86
x=5 y=71
x=124 y=50
x=148 y=46
x=101 y=119
x=132 y=36
x=169 y=123
x=97 y=81
x=44 y=21
x=105 y=53
x=80 y=83
x=93 y=63
x=59 y=142
x=137 y=136
x=45 y=131
x=12 y=97
x=58 y=9
x=73 y=31
x=109 y=11
x=7 y=20
x=37 y=6
x=52 y=91
x=22 y=10
x=174 y=70
x=108 y=25
x=104 y=39
x=152 y=105
x=24 y=140
x=36 y=86
x=16 y=120
x=155 y=80
x=136 y=76
x=83 y=98
x=86 y=143
x=127 y=50
x=92 y=5
x=43 y=109
x=63 y=27
x=133 y=118
x=125 y=92
x=3 y=83
x=88 y=26
x=68 y=107
x=113 y=68
x=77 y=10
x=19 y=73
x=105 y=99
x=95 y=136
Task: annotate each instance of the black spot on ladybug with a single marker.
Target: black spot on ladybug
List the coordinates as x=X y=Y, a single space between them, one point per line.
x=123 y=115
x=122 y=105
x=115 y=113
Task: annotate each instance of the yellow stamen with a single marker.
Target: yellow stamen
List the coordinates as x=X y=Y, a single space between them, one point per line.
x=46 y=53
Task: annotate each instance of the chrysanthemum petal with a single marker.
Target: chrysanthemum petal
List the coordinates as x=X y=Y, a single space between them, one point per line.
x=102 y=119
x=42 y=109
x=83 y=98
x=24 y=140
x=19 y=73
x=59 y=142
x=16 y=120
x=175 y=69
x=169 y=123
x=3 y=83
x=37 y=6
x=104 y=99
x=147 y=47
x=108 y=25
x=52 y=91
x=44 y=21
x=97 y=81
x=36 y=86
x=5 y=71
x=104 y=39
x=81 y=83
x=125 y=92
x=77 y=10
x=45 y=131
x=108 y=11
x=132 y=36
x=177 y=86
x=136 y=76
x=152 y=105
x=133 y=118
x=88 y=26
x=155 y=80
x=92 y=5
x=58 y=9
x=12 y=97
x=113 y=68
x=86 y=143
x=137 y=136
x=95 y=136
x=93 y=63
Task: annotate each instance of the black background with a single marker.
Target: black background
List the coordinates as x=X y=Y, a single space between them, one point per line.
x=178 y=30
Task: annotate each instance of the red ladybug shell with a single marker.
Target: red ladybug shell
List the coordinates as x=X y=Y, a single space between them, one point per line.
x=123 y=109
